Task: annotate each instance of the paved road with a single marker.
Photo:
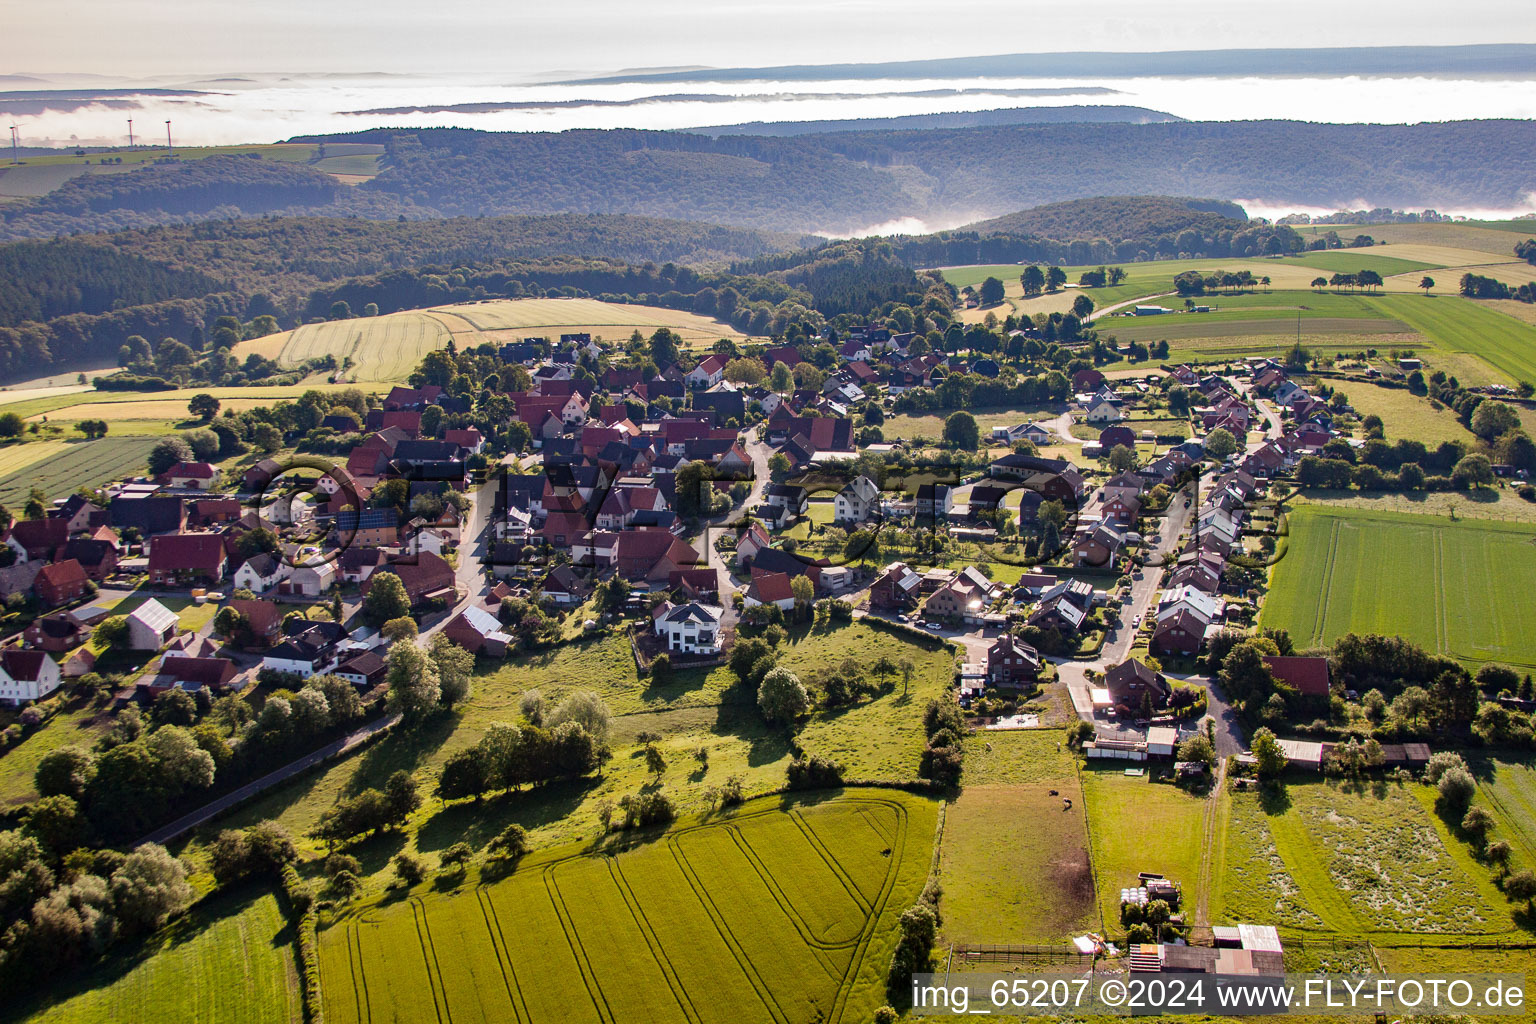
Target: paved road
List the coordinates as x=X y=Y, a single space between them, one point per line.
x=335 y=748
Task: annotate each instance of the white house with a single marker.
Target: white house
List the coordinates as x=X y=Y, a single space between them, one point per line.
x=856 y=502
x=709 y=372
x=26 y=675
x=690 y=628
x=261 y=572
x=151 y=626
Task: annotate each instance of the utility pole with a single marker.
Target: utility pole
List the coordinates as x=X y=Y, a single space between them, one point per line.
x=130 y=133
x=169 y=151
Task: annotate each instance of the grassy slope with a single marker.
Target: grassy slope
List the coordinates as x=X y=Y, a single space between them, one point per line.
x=881 y=739
x=1459 y=584
x=230 y=960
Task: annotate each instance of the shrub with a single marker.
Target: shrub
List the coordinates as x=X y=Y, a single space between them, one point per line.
x=814 y=772
x=409 y=869
x=1456 y=788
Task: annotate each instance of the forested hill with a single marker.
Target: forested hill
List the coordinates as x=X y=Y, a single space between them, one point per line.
x=1116 y=217
x=1072 y=114
x=286 y=257
x=830 y=183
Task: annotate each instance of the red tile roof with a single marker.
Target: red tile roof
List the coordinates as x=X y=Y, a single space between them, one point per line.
x=180 y=552
x=1305 y=675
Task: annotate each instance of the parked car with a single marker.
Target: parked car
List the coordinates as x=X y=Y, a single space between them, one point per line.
x=933 y=626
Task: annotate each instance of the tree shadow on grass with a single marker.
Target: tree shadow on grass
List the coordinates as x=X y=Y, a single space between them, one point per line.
x=1274 y=798
x=128 y=955
x=478 y=823
x=401 y=750
x=375 y=852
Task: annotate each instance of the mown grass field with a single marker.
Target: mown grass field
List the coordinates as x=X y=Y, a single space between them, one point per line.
x=231 y=959
x=1507 y=787
x=78 y=464
x=1460 y=325
x=783 y=910
x=1372 y=857
x=389 y=347
x=370 y=348
x=1459 y=587
x=1015 y=865
x=1167 y=838
x=987 y=417
x=1405 y=415
x=166 y=404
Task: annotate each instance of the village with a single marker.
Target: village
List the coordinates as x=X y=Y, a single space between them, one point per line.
x=1145 y=553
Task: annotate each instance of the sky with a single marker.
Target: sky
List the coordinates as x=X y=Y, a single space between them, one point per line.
x=160 y=38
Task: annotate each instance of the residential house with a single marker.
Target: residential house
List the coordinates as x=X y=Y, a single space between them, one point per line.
x=652 y=555
x=1179 y=632
x=691 y=628
x=957 y=601
x=933 y=503
x=264 y=621
x=364 y=670
x=369 y=527
x=182 y=558
x=709 y=372
x=79 y=514
x=60 y=583
x=769 y=588
x=195 y=476
x=1307 y=676
x=897 y=588
x=479 y=632
x=192 y=673
x=564 y=587
x=36 y=540
x=357 y=563
x=261 y=572
x=749 y=542
x=26 y=676
x=312 y=652
x=789 y=497
x=1099 y=547
x=1059 y=614
x=57 y=632
x=1011 y=663
x=857 y=502
x=1104 y=408
x=426 y=578
x=1130 y=683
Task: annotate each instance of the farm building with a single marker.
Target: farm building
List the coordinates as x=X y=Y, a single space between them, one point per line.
x=151 y=626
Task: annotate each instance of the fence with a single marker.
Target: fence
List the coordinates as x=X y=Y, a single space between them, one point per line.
x=1028 y=954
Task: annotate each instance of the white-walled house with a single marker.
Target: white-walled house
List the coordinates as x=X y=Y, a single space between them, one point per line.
x=856 y=502
x=261 y=572
x=27 y=675
x=690 y=628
